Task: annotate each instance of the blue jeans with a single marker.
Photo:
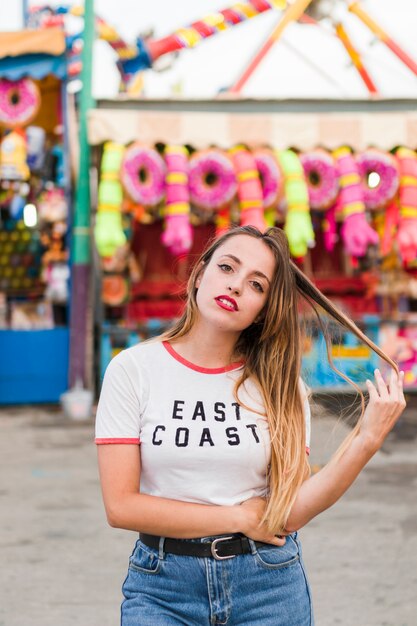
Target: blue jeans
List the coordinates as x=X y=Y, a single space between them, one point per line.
x=267 y=587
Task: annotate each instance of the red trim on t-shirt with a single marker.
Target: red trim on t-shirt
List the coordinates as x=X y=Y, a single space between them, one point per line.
x=197 y=368
x=307 y=450
x=100 y=441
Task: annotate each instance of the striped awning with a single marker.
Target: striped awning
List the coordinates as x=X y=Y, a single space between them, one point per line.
x=33 y=53
x=382 y=129
x=47 y=41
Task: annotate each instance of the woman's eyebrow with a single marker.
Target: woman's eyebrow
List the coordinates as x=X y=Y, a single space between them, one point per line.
x=239 y=262
x=234 y=258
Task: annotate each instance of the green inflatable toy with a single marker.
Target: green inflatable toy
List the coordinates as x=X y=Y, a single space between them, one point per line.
x=298 y=226
x=108 y=230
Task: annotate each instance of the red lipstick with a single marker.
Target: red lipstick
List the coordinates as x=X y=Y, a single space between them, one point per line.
x=227 y=303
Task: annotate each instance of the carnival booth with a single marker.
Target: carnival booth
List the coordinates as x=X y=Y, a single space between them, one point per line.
x=34 y=217
x=341 y=184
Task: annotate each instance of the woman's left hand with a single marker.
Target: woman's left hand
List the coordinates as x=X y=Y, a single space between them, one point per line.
x=318 y=493
x=386 y=403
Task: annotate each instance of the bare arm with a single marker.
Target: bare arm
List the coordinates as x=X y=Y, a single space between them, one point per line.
x=119 y=467
x=323 y=489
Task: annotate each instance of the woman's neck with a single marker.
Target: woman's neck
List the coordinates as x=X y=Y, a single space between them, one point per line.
x=207 y=349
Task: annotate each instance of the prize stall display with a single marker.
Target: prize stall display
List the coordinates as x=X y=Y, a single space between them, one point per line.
x=34 y=217
x=350 y=219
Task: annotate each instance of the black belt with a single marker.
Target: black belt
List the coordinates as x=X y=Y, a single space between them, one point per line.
x=220 y=548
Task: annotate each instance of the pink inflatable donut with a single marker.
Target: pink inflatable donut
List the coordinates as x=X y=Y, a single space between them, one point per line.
x=19 y=102
x=321 y=176
x=270 y=175
x=212 y=181
x=379 y=195
x=143 y=174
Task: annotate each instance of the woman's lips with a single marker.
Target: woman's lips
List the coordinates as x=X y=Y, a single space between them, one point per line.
x=227 y=303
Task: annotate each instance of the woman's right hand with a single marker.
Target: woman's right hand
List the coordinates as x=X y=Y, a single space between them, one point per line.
x=252 y=511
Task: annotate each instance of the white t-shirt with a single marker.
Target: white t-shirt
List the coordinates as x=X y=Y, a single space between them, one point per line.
x=197 y=443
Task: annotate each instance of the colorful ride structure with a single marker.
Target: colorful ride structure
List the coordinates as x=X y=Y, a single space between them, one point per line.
x=146 y=51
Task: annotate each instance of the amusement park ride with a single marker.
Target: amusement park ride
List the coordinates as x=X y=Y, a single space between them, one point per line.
x=148 y=53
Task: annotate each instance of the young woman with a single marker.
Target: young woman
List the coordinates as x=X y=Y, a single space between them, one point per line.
x=208 y=427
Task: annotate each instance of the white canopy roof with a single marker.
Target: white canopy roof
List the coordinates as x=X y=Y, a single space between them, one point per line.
x=305 y=130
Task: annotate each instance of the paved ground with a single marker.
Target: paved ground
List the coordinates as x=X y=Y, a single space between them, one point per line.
x=62 y=565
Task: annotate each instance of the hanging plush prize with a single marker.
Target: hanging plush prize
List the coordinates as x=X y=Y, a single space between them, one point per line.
x=17 y=206
x=212 y=180
x=13 y=153
x=329 y=228
x=114 y=289
x=271 y=181
x=298 y=226
x=108 y=231
x=321 y=177
x=52 y=205
x=35 y=138
x=56 y=277
x=249 y=190
x=380 y=182
x=357 y=234
x=178 y=234
x=143 y=175
x=379 y=176
x=19 y=102
x=222 y=220
x=407 y=229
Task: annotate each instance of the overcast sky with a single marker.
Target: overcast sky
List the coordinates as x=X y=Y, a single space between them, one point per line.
x=309 y=61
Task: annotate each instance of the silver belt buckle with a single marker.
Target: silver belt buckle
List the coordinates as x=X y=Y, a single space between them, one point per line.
x=213 y=549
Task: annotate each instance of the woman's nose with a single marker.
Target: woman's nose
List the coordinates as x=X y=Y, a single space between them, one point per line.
x=236 y=289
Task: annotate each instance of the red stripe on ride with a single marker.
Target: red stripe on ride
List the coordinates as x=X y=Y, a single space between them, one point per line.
x=231 y=16
x=205 y=30
x=261 y=5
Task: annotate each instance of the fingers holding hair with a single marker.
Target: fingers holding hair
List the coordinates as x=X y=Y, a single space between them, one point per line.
x=396 y=384
x=393 y=392
x=372 y=390
x=381 y=385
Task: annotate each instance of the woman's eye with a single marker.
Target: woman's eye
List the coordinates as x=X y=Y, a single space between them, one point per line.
x=225 y=267
x=257 y=286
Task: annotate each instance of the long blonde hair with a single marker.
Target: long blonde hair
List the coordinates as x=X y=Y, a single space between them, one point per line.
x=271 y=349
